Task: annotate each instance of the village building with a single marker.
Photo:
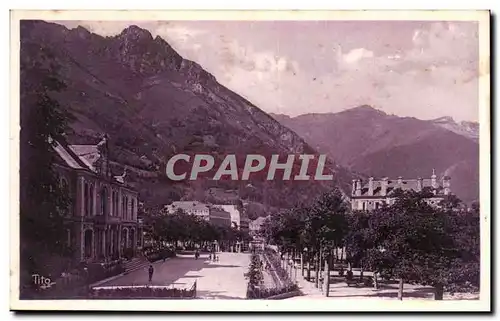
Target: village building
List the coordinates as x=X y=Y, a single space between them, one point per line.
x=374 y=193
x=219 y=217
x=190 y=207
x=102 y=220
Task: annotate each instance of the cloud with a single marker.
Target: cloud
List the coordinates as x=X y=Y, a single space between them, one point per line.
x=356 y=55
x=425 y=69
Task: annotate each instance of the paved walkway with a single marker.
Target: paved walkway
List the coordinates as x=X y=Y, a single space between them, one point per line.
x=388 y=290
x=215 y=280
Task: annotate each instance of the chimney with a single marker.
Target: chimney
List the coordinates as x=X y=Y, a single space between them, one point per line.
x=370 y=186
x=447 y=185
x=383 y=186
x=358 y=187
x=400 y=181
x=434 y=179
x=419 y=184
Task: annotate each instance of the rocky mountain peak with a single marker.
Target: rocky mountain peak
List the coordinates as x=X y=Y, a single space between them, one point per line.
x=134 y=32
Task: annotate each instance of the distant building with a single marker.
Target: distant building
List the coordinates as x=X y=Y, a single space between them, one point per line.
x=235 y=214
x=374 y=193
x=219 y=216
x=102 y=220
x=190 y=207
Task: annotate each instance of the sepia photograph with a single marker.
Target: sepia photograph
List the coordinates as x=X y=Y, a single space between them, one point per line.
x=286 y=161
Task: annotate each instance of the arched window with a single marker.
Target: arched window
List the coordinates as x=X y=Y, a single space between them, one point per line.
x=112 y=209
x=124 y=208
x=132 y=216
x=86 y=199
x=104 y=200
x=117 y=204
x=91 y=200
x=64 y=185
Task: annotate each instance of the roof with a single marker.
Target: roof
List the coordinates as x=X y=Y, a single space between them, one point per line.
x=216 y=212
x=392 y=185
x=67 y=156
x=81 y=157
x=89 y=154
x=188 y=206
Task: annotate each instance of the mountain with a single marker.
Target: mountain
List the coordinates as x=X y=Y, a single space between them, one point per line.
x=465 y=128
x=369 y=141
x=154 y=104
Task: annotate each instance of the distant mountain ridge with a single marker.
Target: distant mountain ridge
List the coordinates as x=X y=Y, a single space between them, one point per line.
x=370 y=142
x=467 y=129
x=154 y=104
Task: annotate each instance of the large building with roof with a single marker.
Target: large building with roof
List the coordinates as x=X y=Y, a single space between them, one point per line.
x=190 y=207
x=102 y=220
x=374 y=193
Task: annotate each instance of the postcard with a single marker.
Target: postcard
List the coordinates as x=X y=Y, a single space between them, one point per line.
x=250 y=161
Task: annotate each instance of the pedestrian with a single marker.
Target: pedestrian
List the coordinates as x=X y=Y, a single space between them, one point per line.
x=217 y=258
x=151 y=271
x=210 y=256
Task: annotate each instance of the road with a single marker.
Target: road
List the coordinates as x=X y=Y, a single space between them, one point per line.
x=215 y=280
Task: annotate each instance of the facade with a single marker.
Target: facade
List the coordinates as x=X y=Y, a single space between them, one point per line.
x=374 y=193
x=190 y=207
x=102 y=221
x=235 y=214
x=219 y=217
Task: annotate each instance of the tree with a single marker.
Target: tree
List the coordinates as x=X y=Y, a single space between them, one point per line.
x=44 y=201
x=413 y=241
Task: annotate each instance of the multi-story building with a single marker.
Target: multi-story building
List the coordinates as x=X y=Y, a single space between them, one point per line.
x=219 y=217
x=102 y=220
x=190 y=207
x=375 y=193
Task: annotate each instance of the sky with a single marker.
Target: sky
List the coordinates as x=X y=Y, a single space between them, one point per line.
x=422 y=69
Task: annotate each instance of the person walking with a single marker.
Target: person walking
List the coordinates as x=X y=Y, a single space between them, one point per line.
x=151 y=270
x=210 y=257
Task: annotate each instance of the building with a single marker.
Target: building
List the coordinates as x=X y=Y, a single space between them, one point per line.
x=219 y=217
x=235 y=214
x=102 y=221
x=375 y=193
x=190 y=207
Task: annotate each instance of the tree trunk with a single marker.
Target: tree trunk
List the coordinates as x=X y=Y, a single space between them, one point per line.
x=302 y=263
x=327 y=275
x=308 y=267
x=400 y=292
x=438 y=292
x=342 y=254
x=320 y=269
x=316 y=283
x=375 y=280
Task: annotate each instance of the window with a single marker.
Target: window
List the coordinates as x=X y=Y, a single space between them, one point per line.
x=125 y=215
x=91 y=200
x=124 y=206
x=86 y=197
x=68 y=237
x=132 y=216
x=104 y=200
x=364 y=206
